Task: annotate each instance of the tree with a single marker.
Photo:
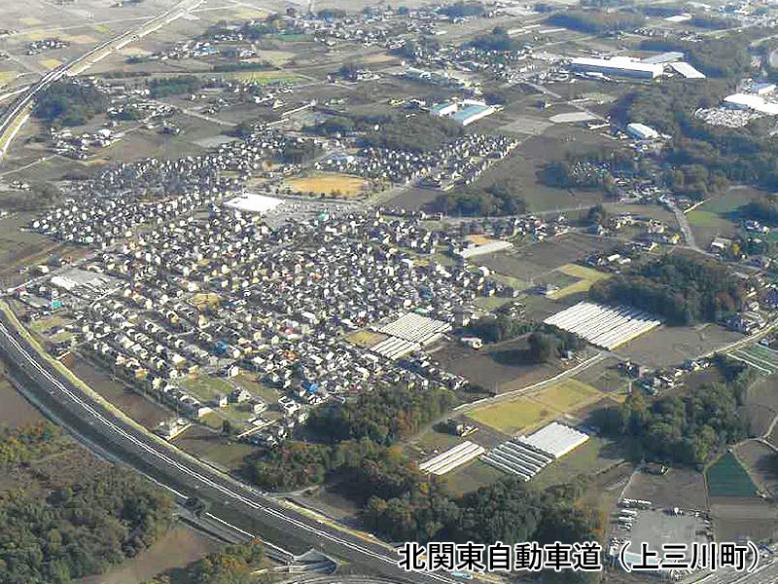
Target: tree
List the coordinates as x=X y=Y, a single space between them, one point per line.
x=541 y=347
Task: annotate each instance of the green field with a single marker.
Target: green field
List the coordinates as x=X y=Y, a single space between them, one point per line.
x=567 y=395
x=527 y=412
x=512 y=416
x=206 y=388
x=727 y=478
x=699 y=218
x=267 y=77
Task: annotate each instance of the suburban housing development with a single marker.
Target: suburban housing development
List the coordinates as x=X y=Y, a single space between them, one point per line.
x=304 y=292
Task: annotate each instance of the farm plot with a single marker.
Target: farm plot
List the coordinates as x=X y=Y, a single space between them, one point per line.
x=530 y=411
x=727 y=478
x=586 y=277
x=761 y=358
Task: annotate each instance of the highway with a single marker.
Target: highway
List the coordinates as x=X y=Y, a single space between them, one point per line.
x=230 y=499
x=15 y=116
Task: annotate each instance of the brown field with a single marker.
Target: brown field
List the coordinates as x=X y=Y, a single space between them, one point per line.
x=15 y=411
x=667 y=345
x=140 y=408
x=761 y=463
x=176 y=549
x=537 y=259
x=495 y=367
x=680 y=487
x=330 y=184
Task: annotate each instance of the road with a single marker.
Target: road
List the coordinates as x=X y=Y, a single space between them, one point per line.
x=15 y=116
x=230 y=499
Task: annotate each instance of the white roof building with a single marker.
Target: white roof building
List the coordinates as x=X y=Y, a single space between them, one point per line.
x=251 y=203
x=620 y=66
x=642 y=132
x=751 y=101
x=555 y=439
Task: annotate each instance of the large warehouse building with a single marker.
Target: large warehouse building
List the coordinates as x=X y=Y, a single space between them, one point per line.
x=618 y=66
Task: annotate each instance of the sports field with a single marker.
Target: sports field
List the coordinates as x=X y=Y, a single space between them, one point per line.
x=727 y=478
x=586 y=277
x=530 y=411
x=330 y=184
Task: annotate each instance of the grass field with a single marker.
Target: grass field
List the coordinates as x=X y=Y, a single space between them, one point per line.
x=50 y=63
x=365 y=338
x=727 y=478
x=267 y=77
x=705 y=218
x=329 y=184
x=6 y=77
x=567 y=395
x=586 y=277
x=205 y=387
x=527 y=412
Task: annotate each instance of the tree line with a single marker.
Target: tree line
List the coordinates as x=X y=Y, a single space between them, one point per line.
x=69 y=103
x=681 y=289
x=689 y=429
x=52 y=532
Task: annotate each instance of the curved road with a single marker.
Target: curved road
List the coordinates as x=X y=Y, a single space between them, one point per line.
x=230 y=499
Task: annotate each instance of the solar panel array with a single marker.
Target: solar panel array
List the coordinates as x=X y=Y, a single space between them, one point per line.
x=604 y=326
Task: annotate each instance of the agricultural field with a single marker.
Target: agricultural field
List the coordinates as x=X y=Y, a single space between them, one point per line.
x=497 y=368
x=727 y=478
x=761 y=358
x=666 y=345
x=761 y=462
x=365 y=338
x=595 y=455
x=761 y=405
x=268 y=77
x=719 y=216
x=539 y=259
x=678 y=487
x=330 y=184
x=586 y=278
x=533 y=410
x=211 y=446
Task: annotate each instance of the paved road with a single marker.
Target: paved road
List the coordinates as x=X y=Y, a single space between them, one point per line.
x=231 y=500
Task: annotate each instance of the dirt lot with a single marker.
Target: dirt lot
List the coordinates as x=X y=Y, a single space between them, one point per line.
x=667 y=346
x=329 y=184
x=679 y=487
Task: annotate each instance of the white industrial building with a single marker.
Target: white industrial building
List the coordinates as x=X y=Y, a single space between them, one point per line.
x=619 y=66
x=452 y=458
x=526 y=456
x=252 y=203
x=751 y=101
x=642 y=132
x=686 y=70
x=604 y=326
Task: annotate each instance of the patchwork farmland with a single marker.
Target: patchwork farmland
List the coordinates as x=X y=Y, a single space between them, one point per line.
x=761 y=358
